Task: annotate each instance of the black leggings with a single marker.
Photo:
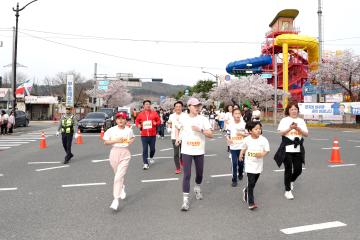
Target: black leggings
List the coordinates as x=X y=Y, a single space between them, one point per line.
x=199 y=169
x=293 y=168
x=252 y=179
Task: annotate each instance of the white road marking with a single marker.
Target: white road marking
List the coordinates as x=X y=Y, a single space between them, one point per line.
x=282 y=170
x=138 y=154
x=329 y=148
x=20 y=138
x=357 y=141
x=32 y=163
x=12 y=142
x=357 y=146
x=15 y=139
x=160 y=180
x=313 y=227
x=213 y=139
x=166 y=149
x=221 y=175
x=8 y=189
x=162 y=157
x=44 y=169
x=101 y=160
x=320 y=139
x=83 y=185
x=342 y=165
x=1 y=175
x=270 y=131
x=348 y=131
x=210 y=155
x=219 y=137
x=9 y=145
x=5 y=148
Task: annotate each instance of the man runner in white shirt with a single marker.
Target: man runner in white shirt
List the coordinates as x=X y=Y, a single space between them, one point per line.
x=193 y=128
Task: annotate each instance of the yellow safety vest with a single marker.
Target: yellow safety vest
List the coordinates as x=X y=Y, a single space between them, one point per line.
x=67 y=125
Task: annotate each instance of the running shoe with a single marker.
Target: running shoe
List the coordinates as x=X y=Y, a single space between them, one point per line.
x=288 y=195
x=198 y=194
x=146 y=166
x=178 y=171
x=245 y=195
x=115 y=204
x=230 y=155
x=123 y=193
x=151 y=161
x=234 y=184
x=186 y=205
x=252 y=206
x=240 y=176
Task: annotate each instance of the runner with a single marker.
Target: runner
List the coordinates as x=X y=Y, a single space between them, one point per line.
x=147 y=121
x=256 y=114
x=68 y=126
x=172 y=124
x=228 y=119
x=193 y=128
x=120 y=137
x=255 y=148
x=291 y=151
x=235 y=136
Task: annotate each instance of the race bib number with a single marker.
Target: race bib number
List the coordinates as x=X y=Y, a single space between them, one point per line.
x=252 y=154
x=147 y=124
x=295 y=133
x=195 y=143
x=237 y=139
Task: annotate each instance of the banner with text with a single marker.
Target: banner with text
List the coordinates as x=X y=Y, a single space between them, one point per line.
x=336 y=108
x=70 y=90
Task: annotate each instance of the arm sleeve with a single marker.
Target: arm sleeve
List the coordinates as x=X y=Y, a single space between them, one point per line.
x=206 y=124
x=137 y=120
x=303 y=126
x=131 y=134
x=267 y=145
x=282 y=126
x=107 y=135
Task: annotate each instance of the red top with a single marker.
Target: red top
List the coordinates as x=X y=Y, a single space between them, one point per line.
x=148 y=121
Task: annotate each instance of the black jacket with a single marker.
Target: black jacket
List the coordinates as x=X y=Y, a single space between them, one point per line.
x=280 y=153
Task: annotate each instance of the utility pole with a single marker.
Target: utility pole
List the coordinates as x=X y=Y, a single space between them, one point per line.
x=95 y=86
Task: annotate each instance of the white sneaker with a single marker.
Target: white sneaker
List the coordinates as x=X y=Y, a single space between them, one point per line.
x=146 y=166
x=292 y=186
x=288 y=195
x=151 y=161
x=198 y=194
x=186 y=205
x=123 y=193
x=115 y=204
x=230 y=155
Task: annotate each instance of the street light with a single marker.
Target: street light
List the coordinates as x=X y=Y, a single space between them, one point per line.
x=215 y=76
x=17 y=10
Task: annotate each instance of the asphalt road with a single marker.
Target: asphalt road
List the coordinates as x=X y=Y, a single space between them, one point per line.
x=34 y=204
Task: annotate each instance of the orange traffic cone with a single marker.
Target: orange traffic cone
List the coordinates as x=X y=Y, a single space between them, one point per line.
x=102 y=133
x=335 y=154
x=79 y=139
x=42 y=141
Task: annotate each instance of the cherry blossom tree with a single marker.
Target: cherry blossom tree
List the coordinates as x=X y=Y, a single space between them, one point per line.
x=168 y=103
x=116 y=95
x=340 y=71
x=251 y=87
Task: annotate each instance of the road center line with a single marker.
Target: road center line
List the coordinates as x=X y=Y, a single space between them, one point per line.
x=83 y=185
x=44 y=169
x=8 y=189
x=160 y=180
x=320 y=139
x=31 y=163
x=342 y=165
x=221 y=175
x=313 y=227
x=282 y=170
x=165 y=149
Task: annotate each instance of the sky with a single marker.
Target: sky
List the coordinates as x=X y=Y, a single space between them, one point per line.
x=62 y=35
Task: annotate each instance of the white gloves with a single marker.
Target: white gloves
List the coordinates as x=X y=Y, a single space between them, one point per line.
x=57 y=133
x=76 y=135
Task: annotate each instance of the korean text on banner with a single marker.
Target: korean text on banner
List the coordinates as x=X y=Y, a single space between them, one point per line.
x=70 y=90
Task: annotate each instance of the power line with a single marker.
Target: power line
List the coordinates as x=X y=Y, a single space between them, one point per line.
x=120 y=57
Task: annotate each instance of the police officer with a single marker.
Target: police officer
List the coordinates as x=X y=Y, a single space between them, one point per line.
x=68 y=126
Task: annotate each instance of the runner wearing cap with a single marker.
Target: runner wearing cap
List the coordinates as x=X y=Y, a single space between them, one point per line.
x=67 y=127
x=147 y=121
x=120 y=137
x=191 y=133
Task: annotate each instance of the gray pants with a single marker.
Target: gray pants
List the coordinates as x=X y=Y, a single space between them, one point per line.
x=176 y=154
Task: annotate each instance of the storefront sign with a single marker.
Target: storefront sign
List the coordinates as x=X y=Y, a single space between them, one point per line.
x=41 y=100
x=70 y=90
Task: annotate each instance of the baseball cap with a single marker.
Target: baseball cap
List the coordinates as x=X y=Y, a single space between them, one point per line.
x=193 y=101
x=121 y=115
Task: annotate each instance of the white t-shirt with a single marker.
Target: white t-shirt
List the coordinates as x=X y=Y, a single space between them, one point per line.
x=236 y=131
x=5 y=117
x=285 y=124
x=253 y=146
x=221 y=116
x=193 y=143
x=125 y=135
x=174 y=120
x=256 y=114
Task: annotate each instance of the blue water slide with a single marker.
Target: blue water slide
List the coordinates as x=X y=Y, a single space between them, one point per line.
x=256 y=63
